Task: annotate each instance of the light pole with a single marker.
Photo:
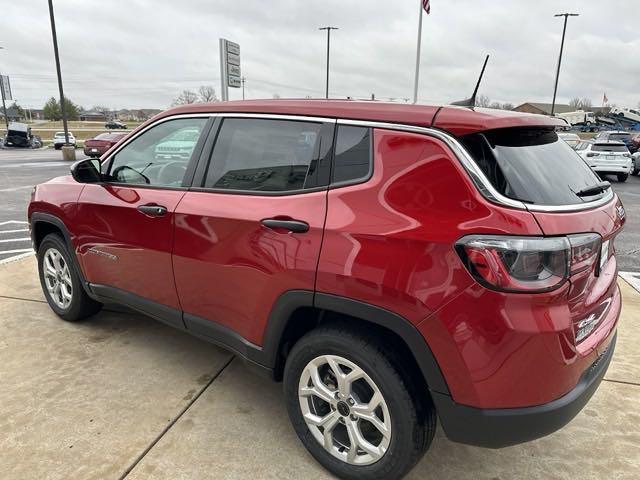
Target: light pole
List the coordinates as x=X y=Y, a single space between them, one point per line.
x=55 y=52
x=564 y=30
x=4 y=105
x=328 y=29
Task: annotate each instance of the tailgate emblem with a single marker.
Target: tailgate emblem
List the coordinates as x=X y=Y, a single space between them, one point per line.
x=621 y=212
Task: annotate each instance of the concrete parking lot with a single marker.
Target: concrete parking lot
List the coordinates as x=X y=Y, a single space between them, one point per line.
x=122 y=396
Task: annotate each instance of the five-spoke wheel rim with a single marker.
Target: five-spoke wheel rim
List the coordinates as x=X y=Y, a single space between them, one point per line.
x=57 y=278
x=344 y=410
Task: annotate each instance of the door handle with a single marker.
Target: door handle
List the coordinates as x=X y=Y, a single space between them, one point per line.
x=295 y=226
x=153 y=210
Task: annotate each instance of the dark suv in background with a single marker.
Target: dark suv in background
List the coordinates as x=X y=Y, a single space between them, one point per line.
x=391 y=264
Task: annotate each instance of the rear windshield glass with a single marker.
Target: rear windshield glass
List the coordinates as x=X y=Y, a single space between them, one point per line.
x=621 y=137
x=531 y=165
x=604 y=147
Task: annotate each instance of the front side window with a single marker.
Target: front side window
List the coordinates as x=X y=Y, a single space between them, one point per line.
x=159 y=156
x=263 y=155
x=353 y=154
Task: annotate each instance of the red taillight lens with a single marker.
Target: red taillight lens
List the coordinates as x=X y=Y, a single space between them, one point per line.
x=516 y=264
x=527 y=264
x=585 y=249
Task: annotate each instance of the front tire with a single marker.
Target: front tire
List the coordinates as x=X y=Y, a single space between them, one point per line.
x=622 y=177
x=353 y=408
x=61 y=283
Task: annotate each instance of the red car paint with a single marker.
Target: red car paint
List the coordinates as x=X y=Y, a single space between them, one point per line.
x=388 y=242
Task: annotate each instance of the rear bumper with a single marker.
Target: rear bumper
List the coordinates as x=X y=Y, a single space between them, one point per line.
x=497 y=428
x=612 y=168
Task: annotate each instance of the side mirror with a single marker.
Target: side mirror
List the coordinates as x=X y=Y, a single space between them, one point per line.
x=87 y=171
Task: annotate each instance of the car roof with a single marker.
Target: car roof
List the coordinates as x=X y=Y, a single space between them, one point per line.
x=457 y=120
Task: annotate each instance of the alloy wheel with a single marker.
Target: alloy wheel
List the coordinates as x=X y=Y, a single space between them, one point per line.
x=344 y=410
x=57 y=278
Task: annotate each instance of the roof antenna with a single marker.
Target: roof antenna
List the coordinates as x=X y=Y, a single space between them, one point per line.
x=471 y=102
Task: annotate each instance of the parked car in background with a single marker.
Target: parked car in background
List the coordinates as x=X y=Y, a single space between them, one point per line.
x=628 y=113
x=98 y=145
x=635 y=160
x=115 y=124
x=179 y=145
x=396 y=266
x=617 y=136
x=58 y=140
x=572 y=139
x=607 y=158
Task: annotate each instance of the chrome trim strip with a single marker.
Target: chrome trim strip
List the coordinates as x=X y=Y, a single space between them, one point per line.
x=478 y=177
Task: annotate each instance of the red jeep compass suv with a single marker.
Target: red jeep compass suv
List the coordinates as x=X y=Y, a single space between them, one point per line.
x=390 y=263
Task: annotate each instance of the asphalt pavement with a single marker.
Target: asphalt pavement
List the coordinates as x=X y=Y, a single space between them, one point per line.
x=20 y=170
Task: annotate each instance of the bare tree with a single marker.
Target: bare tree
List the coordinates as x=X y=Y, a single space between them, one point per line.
x=496 y=105
x=585 y=103
x=207 y=94
x=575 y=103
x=186 y=97
x=483 y=101
x=276 y=96
x=508 y=106
x=102 y=109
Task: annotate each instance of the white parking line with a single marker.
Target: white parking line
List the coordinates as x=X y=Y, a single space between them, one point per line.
x=19 y=250
x=14 y=231
x=15 y=189
x=632 y=278
x=19 y=222
x=17 y=257
x=9 y=240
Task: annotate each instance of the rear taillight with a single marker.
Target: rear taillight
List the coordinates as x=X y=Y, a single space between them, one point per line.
x=592 y=154
x=527 y=264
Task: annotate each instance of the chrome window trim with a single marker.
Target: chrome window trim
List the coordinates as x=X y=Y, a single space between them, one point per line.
x=478 y=177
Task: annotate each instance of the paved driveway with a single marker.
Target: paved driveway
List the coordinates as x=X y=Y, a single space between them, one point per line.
x=122 y=396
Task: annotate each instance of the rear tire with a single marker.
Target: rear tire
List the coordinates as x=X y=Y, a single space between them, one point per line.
x=622 y=177
x=403 y=421
x=61 y=284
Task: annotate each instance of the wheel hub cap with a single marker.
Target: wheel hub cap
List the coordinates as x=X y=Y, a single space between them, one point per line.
x=57 y=278
x=343 y=409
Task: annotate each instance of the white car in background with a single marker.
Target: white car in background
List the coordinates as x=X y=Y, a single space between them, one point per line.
x=628 y=113
x=635 y=160
x=58 y=140
x=572 y=139
x=611 y=158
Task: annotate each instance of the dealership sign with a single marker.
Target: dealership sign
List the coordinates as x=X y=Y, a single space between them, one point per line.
x=230 y=74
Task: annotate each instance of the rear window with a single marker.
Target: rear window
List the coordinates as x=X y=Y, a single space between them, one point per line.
x=620 y=137
x=531 y=165
x=605 y=147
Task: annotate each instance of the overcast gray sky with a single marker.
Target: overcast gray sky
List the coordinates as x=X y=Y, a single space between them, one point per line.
x=142 y=53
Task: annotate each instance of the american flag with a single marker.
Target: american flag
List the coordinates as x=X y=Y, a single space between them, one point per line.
x=426 y=4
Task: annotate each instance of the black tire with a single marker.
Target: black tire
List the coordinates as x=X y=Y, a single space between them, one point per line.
x=56 y=147
x=622 y=177
x=81 y=305
x=412 y=414
x=635 y=172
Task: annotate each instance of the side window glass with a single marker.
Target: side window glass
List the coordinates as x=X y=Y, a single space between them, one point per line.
x=353 y=153
x=263 y=155
x=160 y=155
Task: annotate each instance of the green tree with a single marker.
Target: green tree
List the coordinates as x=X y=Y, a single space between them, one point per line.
x=18 y=109
x=52 y=109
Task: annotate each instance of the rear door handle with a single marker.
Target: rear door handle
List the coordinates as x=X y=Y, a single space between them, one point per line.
x=295 y=226
x=153 y=210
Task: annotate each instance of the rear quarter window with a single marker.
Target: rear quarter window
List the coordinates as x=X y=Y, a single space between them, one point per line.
x=531 y=165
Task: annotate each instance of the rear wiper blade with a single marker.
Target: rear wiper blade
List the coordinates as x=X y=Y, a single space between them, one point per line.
x=593 y=189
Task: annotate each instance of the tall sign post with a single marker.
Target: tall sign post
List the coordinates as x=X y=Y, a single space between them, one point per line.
x=5 y=88
x=230 y=73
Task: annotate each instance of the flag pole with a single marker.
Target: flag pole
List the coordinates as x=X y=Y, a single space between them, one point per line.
x=415 y=84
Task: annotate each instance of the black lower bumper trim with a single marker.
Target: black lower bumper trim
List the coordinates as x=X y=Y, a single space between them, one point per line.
x=497 y=428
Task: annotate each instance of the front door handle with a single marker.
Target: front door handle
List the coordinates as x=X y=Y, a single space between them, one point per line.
x=153 y=210
x=295 y=226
